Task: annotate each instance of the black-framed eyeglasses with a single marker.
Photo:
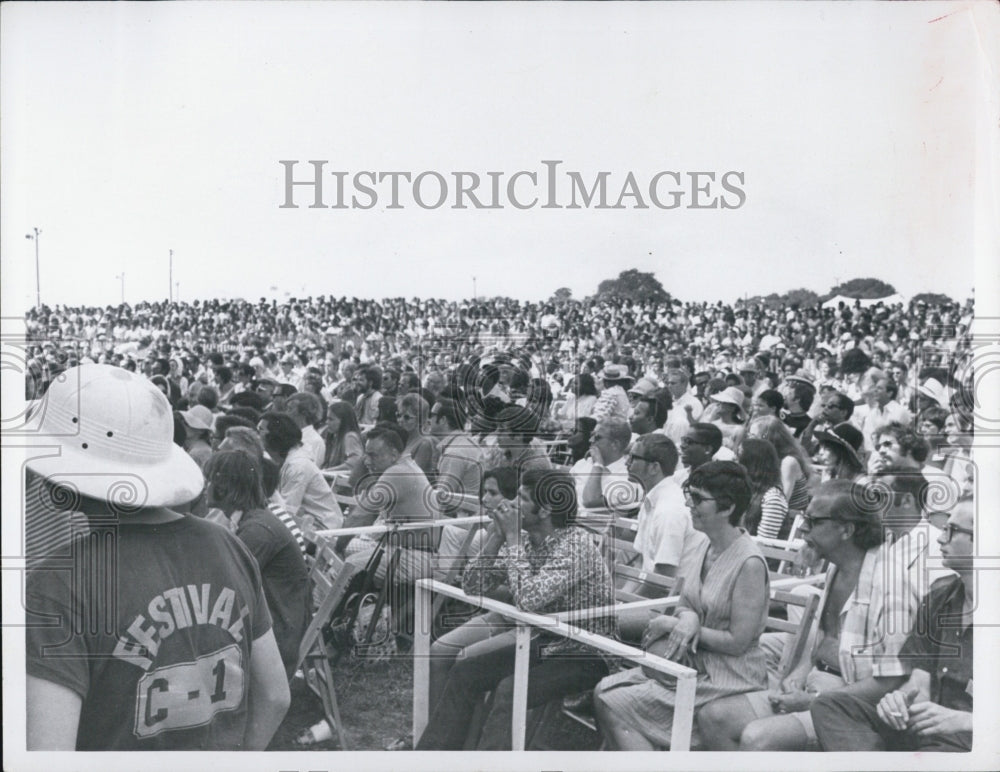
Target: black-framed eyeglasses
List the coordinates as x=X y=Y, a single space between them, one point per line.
x=950 y=529
x=686 y=441
x=635 y=457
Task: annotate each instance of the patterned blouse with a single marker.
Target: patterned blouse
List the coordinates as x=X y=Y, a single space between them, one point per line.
x=564 y=573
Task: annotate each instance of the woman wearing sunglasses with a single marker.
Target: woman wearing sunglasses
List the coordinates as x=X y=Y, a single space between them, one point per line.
x=717 y=625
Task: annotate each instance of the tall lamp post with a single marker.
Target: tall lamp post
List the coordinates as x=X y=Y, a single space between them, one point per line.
x=38 y=281
x=170 y=282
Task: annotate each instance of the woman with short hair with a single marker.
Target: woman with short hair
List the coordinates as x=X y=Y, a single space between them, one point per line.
x=717 y=625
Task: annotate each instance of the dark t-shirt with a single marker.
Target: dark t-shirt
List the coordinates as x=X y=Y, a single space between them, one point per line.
x=797 y=422
x=941 y=646
x=285 y=578
x=152 y=625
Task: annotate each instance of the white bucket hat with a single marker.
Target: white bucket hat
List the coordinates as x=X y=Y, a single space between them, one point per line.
x=198 y=417
x=730 y=396
x=110 y=433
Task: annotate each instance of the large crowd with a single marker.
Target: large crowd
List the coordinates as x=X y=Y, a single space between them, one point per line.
x=228 y=444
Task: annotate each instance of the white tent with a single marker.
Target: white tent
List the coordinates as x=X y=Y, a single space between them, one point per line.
x=891 y=300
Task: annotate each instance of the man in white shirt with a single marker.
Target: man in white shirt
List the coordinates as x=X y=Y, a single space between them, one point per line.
x=665 y=536
x=882 y=408
x=602 y=478
x=686 y=408
x=306 y=409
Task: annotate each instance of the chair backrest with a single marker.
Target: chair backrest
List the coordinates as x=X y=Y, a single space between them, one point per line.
x=633 y=584
x=794 y=649
x=330 y=578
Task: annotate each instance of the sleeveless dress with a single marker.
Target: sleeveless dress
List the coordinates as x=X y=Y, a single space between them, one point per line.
x=646 y=704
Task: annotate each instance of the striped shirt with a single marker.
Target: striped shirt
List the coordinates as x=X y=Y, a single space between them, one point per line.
x=48 y=528
x=282 y=514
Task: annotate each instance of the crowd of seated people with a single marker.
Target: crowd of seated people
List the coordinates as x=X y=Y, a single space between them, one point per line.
x=709 y=428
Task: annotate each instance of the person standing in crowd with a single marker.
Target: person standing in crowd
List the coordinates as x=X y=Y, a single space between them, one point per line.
x=234 y=485
x=115 y=688
x=686 y=410
x=305 y=492
x=931 y=708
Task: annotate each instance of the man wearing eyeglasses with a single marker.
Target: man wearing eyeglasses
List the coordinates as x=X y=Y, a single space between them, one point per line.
x=931 y=710
x=665 y=537
x=864 y=616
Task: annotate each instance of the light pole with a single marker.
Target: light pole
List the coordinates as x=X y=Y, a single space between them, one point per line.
x=121 y=277
x=38 y=281
x=170 y=282
x=473 y=287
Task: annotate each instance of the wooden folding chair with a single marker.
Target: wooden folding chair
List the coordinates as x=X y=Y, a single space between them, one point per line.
x=794 y=649
x=330 y=578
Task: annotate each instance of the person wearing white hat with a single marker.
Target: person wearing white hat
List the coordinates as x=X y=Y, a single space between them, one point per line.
x=932 y=393
x=198 y=422
x=730 y=416
x=613 y=401
x=179 y=653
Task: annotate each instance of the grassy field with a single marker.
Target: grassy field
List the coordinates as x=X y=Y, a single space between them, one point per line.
x=376 y=705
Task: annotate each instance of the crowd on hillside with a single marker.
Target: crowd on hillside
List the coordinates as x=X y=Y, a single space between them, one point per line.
x=712 y=428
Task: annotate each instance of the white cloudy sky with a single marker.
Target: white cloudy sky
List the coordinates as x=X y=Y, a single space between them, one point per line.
x=129 y=130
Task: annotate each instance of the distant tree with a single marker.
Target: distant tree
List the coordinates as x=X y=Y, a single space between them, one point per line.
x=931 y=298
x=802 y=298
x=633 y=285
x=562 y=294
x=863 y=288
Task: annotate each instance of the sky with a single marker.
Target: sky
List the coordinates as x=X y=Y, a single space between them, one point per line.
x=130 y=130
